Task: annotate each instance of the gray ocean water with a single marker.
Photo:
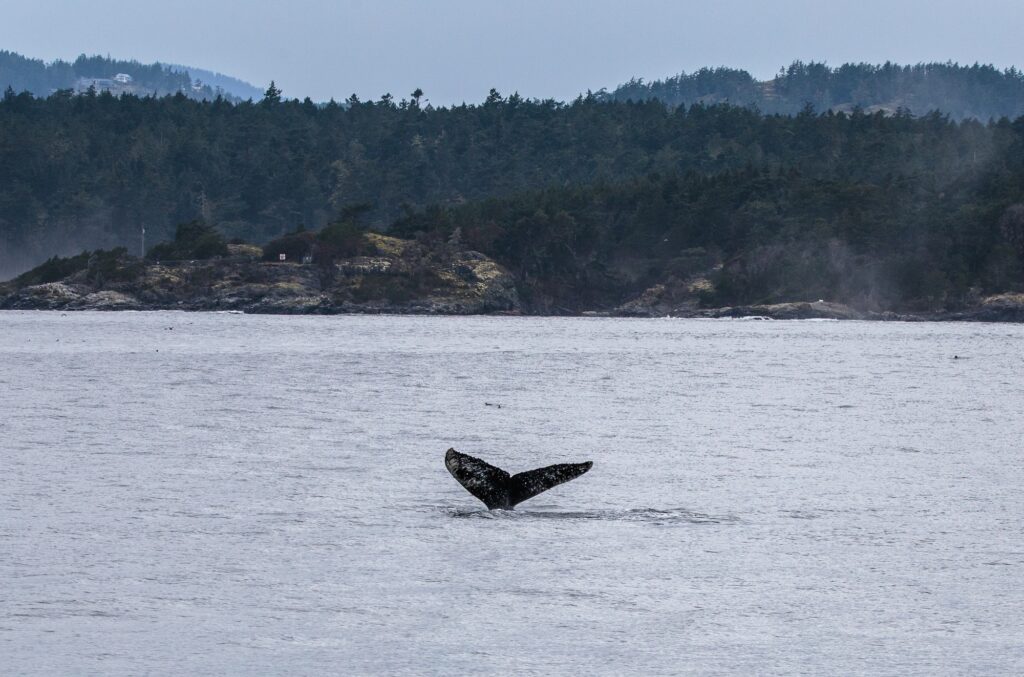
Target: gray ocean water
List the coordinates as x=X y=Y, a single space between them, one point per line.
x=231 y=494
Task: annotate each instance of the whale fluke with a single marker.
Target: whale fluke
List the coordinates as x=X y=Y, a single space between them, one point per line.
x=497 y=489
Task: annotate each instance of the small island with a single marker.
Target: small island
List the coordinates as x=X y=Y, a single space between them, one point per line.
x=338 y=270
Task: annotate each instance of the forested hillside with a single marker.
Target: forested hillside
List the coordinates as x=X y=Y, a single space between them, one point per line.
x=977 y=91
x=586 y=202
x=22 y=74
x=220 y=83
x=756 y=236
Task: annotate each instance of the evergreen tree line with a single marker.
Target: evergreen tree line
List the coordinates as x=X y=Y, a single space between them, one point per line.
x=977 y=91
x=757 y=235
x=586 y=201
x=91 y=171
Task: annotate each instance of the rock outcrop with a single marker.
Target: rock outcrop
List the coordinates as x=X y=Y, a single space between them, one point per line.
x=997 y=308
x=673 y=297
x=402 y=276
x=682 y=299
x=393 y=276
x=816 y=310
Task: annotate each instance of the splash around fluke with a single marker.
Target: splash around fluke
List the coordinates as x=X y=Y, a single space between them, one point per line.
x=499 y=490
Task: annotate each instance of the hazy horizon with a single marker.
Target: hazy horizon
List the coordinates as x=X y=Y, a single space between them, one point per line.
x=457 y=50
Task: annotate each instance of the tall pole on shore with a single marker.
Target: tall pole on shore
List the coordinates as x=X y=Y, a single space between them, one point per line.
x=143 y=253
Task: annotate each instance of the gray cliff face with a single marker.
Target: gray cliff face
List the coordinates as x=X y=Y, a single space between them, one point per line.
x=402 y=277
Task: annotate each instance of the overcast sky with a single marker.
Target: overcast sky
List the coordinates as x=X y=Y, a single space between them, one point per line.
x=457 y=50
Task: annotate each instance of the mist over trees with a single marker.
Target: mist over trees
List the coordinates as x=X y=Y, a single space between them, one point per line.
x=227 y=85
x=977 y=91
x=765 y=235
x=585 y=202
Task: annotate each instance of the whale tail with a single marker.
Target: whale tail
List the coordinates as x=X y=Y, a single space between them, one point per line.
x=497 y=489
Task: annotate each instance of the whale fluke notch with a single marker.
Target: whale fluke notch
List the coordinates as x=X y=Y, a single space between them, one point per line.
x=497 y=489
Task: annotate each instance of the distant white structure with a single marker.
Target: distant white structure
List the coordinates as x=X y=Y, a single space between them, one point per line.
x=119 y=84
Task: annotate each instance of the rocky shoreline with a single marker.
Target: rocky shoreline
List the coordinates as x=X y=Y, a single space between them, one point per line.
x=998 y=308
x=400 y=277
x=682 y=299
